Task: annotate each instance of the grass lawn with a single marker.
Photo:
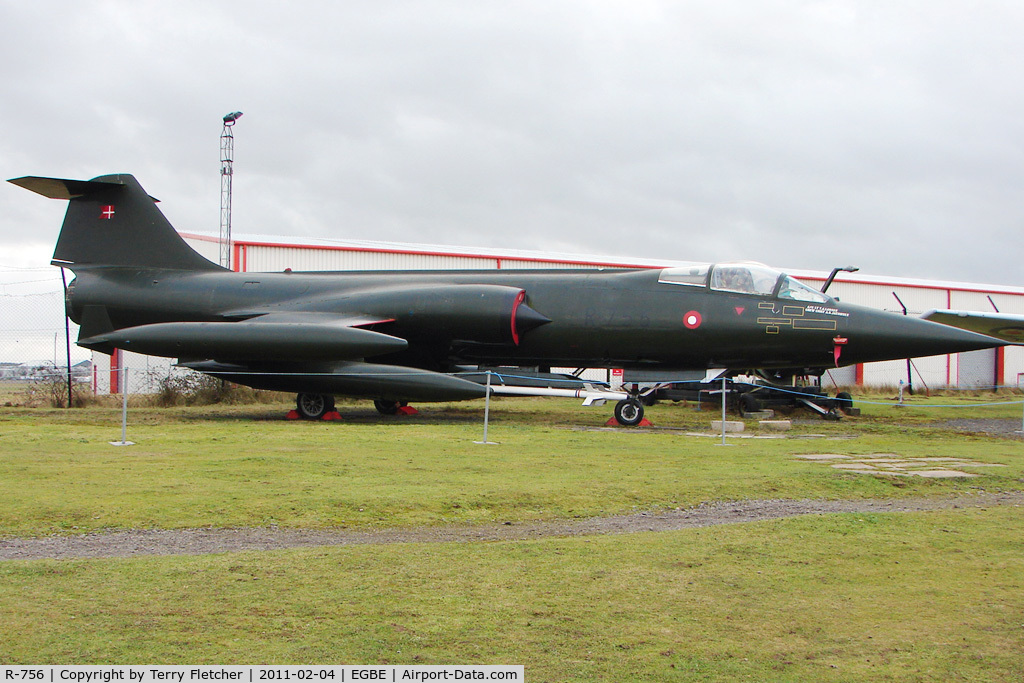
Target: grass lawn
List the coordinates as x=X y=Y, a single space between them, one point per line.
x=922 y=596
x=247 y=466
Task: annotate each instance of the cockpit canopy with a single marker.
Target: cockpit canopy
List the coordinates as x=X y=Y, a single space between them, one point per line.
x=742 y=278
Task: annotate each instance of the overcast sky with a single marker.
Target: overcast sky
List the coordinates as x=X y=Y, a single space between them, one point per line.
x=887 y=135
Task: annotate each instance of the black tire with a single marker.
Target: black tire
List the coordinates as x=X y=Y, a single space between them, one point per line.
x=750 y=403
x=385 y=407
x=313 y=406
x=629 y=412
x=844 y=401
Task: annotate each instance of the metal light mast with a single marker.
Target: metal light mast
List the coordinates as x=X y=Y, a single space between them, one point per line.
x=227 y=157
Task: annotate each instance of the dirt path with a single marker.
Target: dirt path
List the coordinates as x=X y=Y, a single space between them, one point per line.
x=202 y=541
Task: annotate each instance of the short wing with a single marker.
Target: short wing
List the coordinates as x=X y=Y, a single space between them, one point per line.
x=298 y=352
x=282 y=338
x=1005 y=326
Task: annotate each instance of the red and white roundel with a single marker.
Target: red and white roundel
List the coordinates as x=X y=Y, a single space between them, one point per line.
x=692 y=320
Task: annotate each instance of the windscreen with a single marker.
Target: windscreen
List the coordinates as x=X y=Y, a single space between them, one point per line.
x=798 y=291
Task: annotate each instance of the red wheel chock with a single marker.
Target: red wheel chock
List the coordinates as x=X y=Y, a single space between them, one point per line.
x=612 y=422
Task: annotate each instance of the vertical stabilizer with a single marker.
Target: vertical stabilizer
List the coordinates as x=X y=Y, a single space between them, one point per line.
x=111 y=221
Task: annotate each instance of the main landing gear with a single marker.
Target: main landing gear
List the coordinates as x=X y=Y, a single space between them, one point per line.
x=321 y=407
x=314 y=406
x=387 y=407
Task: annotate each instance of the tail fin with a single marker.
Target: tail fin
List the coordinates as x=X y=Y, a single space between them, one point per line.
x=111 y=221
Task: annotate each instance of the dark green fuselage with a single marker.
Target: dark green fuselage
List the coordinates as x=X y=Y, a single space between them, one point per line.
x=604 y=318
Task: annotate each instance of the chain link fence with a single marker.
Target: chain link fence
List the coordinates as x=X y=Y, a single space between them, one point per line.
x=33 y=340
x=32 y=332
x=35 y=343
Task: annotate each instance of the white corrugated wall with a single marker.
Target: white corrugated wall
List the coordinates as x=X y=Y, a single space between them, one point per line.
x=263 y=258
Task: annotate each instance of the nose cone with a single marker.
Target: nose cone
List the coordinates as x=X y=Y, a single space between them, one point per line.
x=874 y=335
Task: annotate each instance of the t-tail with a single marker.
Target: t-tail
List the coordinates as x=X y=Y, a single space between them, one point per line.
x=111 y=221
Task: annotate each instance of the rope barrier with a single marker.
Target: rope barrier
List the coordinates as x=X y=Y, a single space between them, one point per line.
x=578 y=381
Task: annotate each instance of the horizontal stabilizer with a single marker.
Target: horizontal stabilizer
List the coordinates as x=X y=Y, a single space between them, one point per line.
x=62 y=188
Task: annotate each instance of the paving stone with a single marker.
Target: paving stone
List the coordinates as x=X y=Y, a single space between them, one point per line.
x=943 y=474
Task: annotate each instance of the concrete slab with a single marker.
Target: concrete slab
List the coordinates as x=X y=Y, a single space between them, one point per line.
x=893 y=465
x=732 y=426
x=887 y=461
x=776 y=425
x=944 y=474
x=747 y=435
x=861 y=469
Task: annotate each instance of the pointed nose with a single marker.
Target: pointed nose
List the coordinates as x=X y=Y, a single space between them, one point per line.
x=874 y=335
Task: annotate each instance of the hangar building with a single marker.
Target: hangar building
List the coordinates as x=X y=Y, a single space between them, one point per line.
x=977 y=369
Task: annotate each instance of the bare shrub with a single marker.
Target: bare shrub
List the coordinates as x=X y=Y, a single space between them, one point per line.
x=48 y=386
x=187 y=388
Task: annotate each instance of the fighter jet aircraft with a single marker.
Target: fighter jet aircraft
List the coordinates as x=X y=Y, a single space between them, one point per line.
x=406 y=336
